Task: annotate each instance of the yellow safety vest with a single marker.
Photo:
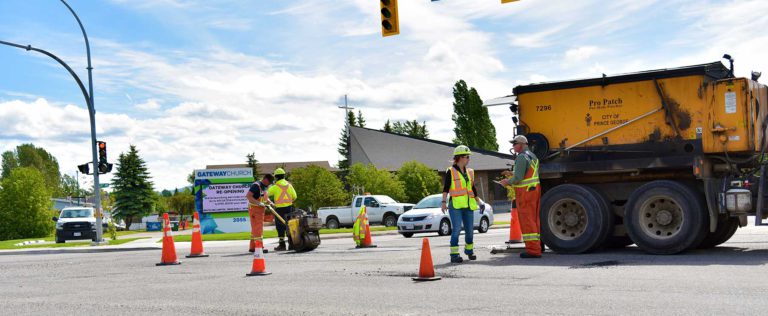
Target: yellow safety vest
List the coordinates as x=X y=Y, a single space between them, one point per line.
x=283 y=198
x=531 y=179
x=461 y=189
x=358 y=229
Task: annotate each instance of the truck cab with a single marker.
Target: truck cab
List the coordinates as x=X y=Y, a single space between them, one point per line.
x=75 y=223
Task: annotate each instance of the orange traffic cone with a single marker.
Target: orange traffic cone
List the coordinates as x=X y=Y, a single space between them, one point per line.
x=169 y=249
x=515 y=234
x=426 y=269
x=259 y=266
x=367 y=241
x=197 y=240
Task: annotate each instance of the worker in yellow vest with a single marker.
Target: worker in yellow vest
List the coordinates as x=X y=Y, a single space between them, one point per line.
x=459 y=183
x=282 y=194
x=528 y=194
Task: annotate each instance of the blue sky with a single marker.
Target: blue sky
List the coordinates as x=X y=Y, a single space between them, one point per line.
x=206 y=82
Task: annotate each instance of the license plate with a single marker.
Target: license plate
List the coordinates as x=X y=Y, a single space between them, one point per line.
x=408 y=226
x=76 y=234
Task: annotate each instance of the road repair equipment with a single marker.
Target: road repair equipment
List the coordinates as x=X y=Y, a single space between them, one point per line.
x=168 y=256
x=361 y=231
x=303 y=229
x=196 y=250
x=669 y=159
x=259 y=266
x=426 y=268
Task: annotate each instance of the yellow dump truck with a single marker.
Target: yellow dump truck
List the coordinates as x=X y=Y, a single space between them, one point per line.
x=667 y=159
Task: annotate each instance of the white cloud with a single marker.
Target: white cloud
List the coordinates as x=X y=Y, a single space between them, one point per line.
x=149 y=105
x=580 y=54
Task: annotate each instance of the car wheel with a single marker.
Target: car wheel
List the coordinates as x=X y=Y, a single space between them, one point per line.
x=445 y=228
x=390 y=220
x=332 y=223
x=484 y=225
x=59 y=240
x=407 y=235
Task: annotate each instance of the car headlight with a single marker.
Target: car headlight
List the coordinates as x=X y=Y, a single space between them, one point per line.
x=59 y=225
x=431 y=216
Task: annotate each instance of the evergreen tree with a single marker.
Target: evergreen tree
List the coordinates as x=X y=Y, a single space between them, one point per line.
x=387 y=127
x=344 y=141
x=253 y=163
x=473 y=125
x=132 y=187
x=411 y=128
x=360 y=119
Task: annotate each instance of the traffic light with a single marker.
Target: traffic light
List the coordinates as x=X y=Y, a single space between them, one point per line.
x=84 y=169
x=102 y=151
x=105 y=167
x=390 y=25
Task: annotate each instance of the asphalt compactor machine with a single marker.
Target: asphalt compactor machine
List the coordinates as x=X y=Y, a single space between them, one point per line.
x=303 y=229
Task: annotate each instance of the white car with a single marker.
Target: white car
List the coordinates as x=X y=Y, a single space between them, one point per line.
x=426 y=217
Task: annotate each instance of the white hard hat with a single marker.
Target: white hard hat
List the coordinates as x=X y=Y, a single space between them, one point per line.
x=519 y=139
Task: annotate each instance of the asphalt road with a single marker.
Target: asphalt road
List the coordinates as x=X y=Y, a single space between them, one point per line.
x=337 y=279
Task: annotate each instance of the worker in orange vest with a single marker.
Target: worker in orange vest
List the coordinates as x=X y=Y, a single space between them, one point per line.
x=528 y=196
x=282 y=194
x=257 y=205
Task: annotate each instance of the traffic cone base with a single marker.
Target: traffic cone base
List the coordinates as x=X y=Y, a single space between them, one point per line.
x=258 y=273
x=197 y=256
x=168 y=264
x=426 y=269
x=365 y=246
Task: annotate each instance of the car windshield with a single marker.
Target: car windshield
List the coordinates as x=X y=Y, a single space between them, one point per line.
x=430 y=202
x=77 y=213
x=383 y=199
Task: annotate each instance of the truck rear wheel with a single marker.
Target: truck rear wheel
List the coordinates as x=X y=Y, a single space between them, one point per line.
x=574 y=218
x=726 y=227
x=332 y=223
x=665 y=217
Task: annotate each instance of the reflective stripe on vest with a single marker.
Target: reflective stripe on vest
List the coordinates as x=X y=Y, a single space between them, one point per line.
x=531 y=179
x=461 y=192
x=283 y=199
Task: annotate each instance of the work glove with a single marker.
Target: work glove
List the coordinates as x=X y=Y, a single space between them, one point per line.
x=482 y=208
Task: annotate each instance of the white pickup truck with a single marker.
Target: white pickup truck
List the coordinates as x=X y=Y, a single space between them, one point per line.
x=381 y=209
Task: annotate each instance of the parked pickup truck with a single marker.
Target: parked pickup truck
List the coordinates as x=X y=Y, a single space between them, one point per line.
x=381 y=209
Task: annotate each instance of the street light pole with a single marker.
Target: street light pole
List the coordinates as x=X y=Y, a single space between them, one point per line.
x=92 y=112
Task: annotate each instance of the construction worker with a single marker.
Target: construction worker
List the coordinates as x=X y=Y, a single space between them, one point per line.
x=282 y=194
x=257 y=203
x=459 y=182
x=527 y=196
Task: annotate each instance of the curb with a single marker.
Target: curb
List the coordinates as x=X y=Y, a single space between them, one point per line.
x=46 y=251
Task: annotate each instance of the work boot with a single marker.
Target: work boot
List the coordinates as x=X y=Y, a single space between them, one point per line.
x=472 y=256
x=281 y=246
x=251 y=250
x=456 y=259
x=526 y=255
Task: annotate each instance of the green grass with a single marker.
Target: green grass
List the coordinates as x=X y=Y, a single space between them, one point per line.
x=9 y=244
x=271 y=234
x=500 y=222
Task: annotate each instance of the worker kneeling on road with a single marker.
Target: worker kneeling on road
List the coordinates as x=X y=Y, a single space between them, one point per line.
x=459 y=182
x=257 y=205
x=283 y=194
x=528 y=196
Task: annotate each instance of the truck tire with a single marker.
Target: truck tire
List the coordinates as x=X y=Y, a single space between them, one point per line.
x=332 y=223
x=665 y=217
x=389 y=220
x=726 y=227
x=59 y=241
x=574 y=219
